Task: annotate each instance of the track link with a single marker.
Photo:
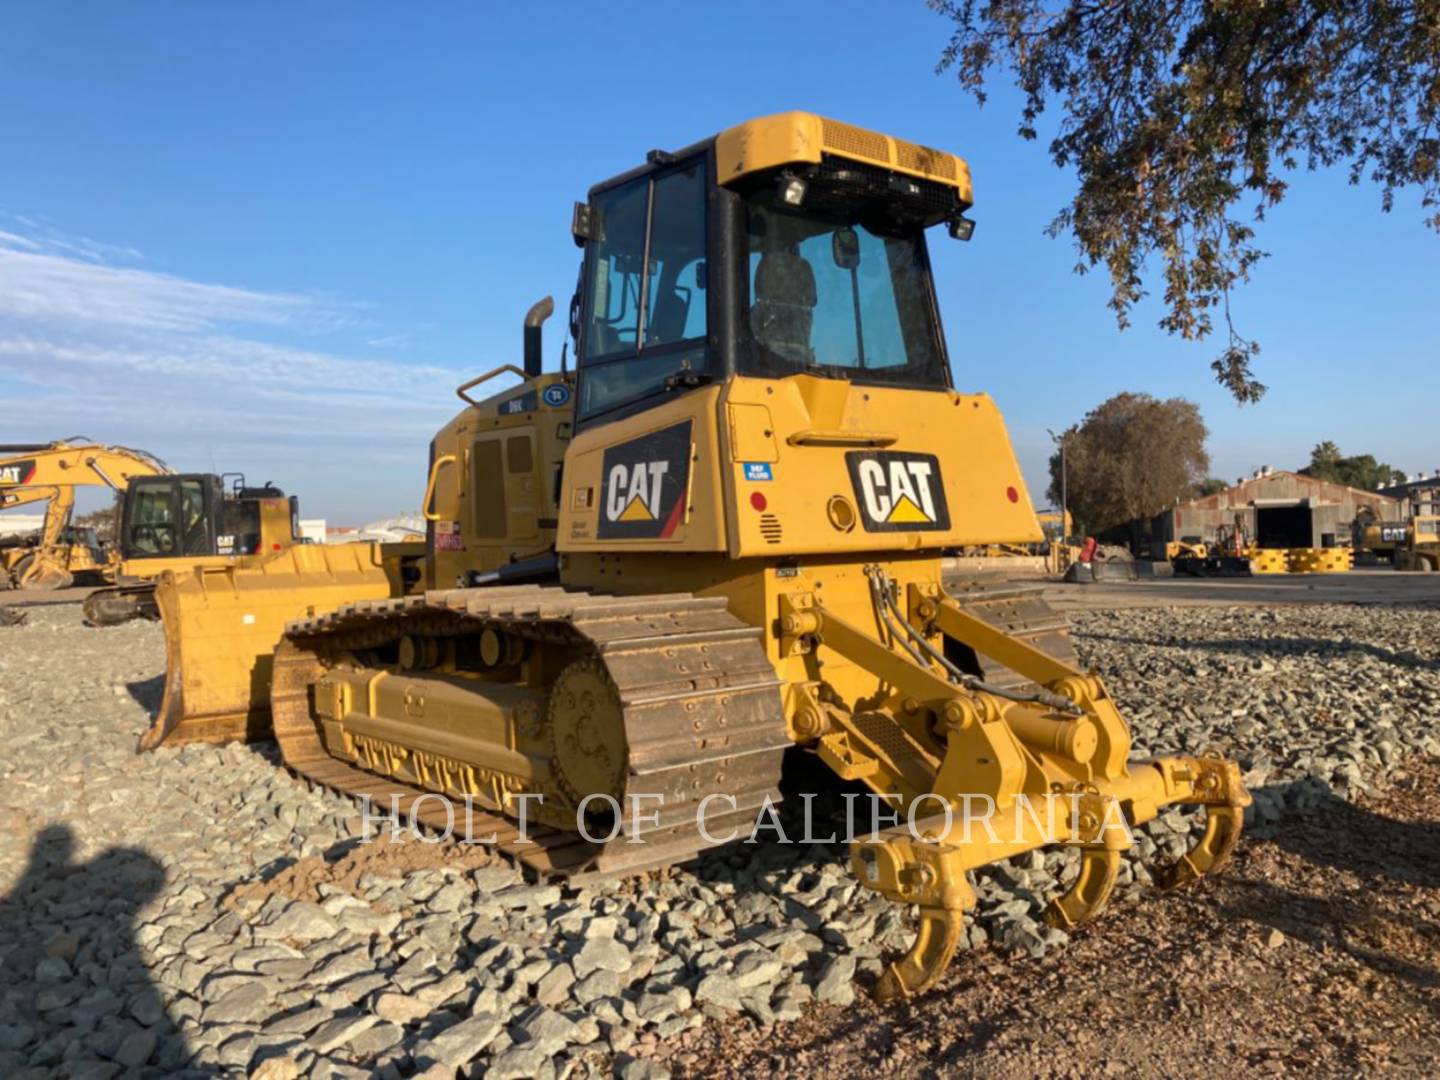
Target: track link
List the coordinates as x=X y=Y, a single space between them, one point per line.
x=700 y=702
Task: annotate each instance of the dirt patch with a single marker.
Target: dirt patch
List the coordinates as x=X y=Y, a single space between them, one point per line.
x=1315 y=952
x=382 y=857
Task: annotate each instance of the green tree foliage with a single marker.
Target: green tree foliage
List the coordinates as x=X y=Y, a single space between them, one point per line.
x=1130 y=457
x=1173 y=113
x=1211 y=485
x=1361 y=471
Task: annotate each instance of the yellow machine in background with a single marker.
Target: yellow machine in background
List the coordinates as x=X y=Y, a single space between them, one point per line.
x=51 y=472
x=719 y=541
x=1192 y=548
x=177 y=522
x=1421 y=549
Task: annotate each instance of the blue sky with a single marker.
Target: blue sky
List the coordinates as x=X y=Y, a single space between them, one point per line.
x=274 y=237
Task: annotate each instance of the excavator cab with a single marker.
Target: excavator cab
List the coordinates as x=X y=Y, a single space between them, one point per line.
x=194 y=515
x=177 y=522
x=50 y=473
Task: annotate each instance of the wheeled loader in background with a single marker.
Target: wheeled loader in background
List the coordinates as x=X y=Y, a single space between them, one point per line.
x=718 y=540
x=1228 y=556
x=1420 y=550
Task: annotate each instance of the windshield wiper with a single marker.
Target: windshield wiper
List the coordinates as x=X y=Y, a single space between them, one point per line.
x=824 y=371
x=687 y=377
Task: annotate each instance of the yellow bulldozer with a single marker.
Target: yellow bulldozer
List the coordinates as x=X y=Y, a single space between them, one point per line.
x=717 y=541
x=167 y=521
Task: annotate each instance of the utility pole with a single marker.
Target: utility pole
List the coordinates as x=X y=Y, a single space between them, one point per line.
x=1064 y=493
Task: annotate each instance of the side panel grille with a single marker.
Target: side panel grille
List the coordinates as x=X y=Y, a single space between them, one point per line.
x=770 y=528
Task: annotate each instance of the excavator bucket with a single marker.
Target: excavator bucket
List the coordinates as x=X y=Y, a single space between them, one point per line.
x=222 y=625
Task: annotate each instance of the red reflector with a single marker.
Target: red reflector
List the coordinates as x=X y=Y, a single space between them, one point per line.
x=757 y=500
x=1012 y=494
x=275 y=547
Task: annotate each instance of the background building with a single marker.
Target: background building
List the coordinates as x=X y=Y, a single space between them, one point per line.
x=1419 y=497
x=1278 y=509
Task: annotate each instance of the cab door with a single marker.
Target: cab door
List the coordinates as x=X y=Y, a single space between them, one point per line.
x=150 y=527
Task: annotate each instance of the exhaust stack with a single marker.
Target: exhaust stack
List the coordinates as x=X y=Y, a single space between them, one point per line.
x=534 y=318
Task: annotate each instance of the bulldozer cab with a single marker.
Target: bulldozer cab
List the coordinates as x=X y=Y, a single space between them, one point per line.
x=762 y=370
x=193 y=515
x=788 y=245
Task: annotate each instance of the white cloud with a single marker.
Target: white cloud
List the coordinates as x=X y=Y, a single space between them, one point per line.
x=40 y=236
x=193 y=372
x=39 y=284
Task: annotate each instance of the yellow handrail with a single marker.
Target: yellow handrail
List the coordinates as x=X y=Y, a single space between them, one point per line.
x=443 y=459
x=463 y=396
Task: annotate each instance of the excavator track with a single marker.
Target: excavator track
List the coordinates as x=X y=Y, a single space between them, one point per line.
x=116 y=604
x=698 y=700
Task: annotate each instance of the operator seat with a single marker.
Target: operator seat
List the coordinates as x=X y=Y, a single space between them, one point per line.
x=784 y=307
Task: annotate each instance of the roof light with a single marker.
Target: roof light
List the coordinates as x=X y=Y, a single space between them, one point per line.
x=961 y=227
x=792 y=190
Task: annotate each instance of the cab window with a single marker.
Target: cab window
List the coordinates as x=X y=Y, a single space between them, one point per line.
x=192 y=519
x=150 y=521
x=645 y=291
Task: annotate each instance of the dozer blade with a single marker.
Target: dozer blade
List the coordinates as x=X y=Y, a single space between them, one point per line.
x=222 y=625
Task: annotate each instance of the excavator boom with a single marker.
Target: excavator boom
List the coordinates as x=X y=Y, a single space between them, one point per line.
x=52 y=472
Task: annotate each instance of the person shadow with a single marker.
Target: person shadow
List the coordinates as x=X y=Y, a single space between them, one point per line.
x=78 y=1000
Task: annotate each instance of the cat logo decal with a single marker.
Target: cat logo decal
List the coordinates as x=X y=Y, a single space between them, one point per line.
x=643 y=485
x=898 y=492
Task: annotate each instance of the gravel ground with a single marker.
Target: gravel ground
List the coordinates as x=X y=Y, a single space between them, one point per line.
x=202 y=910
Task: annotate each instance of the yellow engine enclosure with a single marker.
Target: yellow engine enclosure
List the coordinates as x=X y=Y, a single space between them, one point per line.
x=802 y=429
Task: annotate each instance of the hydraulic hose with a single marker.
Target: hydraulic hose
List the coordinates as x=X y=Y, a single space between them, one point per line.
x=881 y=585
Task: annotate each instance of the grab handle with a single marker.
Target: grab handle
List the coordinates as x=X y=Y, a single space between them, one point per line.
x=842 y=437
x=428 y=511
x=463 y=396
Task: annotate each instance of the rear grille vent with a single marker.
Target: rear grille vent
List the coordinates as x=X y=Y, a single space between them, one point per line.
x=848 y=139
x=923 y=159
x=853 y=140
x=770 y=528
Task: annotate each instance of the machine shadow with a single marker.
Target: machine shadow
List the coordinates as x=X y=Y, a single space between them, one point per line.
x=1376 y=848
x=75 y=976
x=1378 y=856
x=1288 y=646
x=148 y=693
